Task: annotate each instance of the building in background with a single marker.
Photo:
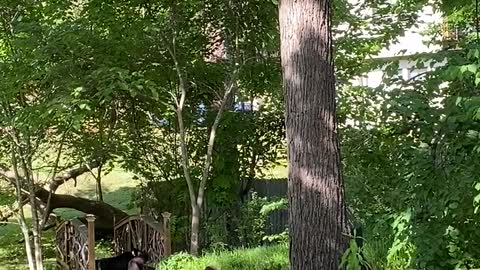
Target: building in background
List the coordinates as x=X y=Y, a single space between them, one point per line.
x=415 y=42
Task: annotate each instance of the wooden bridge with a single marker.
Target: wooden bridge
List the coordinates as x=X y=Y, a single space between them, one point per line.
x=75 y=241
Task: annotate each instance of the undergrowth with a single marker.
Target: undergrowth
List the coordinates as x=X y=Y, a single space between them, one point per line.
x=260 y=258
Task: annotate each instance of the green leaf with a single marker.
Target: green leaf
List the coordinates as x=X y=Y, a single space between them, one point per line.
x=84 y=106
x=453 y=205
x=458 y=101
x=472 y=68
x=155 y=94
x=477 y=186
x=473 y=134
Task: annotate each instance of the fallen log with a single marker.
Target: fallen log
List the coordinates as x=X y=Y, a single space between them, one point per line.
x=106 y=214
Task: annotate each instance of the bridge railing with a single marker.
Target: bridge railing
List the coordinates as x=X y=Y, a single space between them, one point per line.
x=74 y=246
x=146 y=234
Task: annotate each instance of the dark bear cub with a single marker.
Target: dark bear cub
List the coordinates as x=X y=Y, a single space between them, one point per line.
x=119 y=262
x=138 y=262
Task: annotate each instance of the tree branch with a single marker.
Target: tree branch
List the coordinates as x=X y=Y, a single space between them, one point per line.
x=183 y=144
x=72 y=174
x=211 y=142
x=55 y=168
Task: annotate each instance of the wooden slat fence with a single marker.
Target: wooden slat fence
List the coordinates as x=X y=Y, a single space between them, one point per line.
x=277 y=221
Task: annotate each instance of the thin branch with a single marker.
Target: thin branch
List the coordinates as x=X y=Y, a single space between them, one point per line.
x=55 y=168
x=21 y=215
x=211 y=141
x=72 y=174
x=183 y=143
x=8 y=222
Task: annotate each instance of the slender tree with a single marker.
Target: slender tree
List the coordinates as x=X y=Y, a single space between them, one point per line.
x=315 y=190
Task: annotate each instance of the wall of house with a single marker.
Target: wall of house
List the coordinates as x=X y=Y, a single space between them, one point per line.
x=413 y=42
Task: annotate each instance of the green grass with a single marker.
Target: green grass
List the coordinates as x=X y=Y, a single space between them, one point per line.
x=260 y=258
x=12 y=251
x=118 y=187
x=278 y=171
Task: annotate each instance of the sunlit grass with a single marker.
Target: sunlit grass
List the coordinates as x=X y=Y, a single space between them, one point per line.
x=260 y=258
x=278 y=171
x=12 y=250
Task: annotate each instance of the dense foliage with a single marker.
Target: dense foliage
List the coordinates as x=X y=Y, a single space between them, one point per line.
x=411 y=163
x=95 y=80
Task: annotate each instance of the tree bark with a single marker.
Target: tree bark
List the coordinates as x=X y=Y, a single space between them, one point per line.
x=37 y=233
x=106 y=214
x=98 y=180
x=21 y=217
x=318 y=225
x=73 y=174
x=195 y=231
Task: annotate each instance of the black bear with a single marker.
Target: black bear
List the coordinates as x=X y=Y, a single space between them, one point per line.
x=138 y=262
x=119 y=262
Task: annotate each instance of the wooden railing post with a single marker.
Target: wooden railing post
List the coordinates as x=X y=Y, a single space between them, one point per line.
x=166 y=230
x=91 y=242
x=115 y=242
x=144 y=243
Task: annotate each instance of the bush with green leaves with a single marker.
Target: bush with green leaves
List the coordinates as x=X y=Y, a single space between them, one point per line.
x=245 y=228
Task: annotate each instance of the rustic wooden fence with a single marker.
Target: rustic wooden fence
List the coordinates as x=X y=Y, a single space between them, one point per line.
x=146 y=234
x=75 y=241
x=75 y=244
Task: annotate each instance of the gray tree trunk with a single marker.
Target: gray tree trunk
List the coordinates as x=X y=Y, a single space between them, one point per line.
x=315 y=187
x=195 y=230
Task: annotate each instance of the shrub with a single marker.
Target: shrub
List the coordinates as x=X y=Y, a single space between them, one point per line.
x=242 y=225
x=260 y=258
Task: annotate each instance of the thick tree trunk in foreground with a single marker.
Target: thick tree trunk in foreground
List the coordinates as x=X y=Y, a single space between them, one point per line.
x=315 y=189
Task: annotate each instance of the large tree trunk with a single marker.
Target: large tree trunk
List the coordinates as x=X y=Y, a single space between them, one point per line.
x=315 y=189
